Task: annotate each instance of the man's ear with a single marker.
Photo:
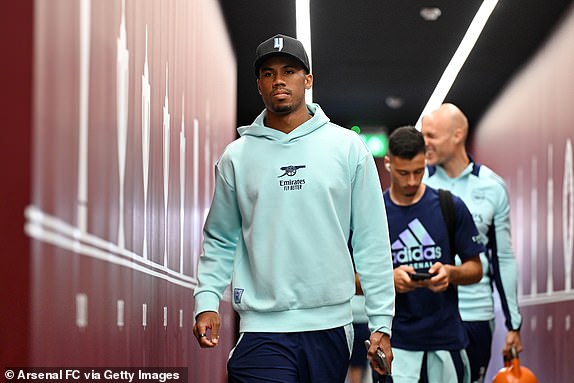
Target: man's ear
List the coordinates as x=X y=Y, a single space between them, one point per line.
x=459 y=136
x=308 y=81
x=258 y=87
x=387 y=163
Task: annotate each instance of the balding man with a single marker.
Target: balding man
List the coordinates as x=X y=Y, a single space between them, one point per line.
x=451 y=167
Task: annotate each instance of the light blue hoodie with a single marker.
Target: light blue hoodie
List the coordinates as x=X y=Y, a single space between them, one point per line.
x=282 y=211
x=486 y=196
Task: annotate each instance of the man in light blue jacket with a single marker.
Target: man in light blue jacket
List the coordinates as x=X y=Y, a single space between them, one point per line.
x=287 y=194
x=484 y=192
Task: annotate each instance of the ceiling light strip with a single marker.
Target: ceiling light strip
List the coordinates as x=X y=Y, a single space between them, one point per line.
x=458 y=59
x=303 y=20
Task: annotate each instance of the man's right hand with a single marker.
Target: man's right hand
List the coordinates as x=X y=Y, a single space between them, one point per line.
x=382 y=342
x=403 y=283
x=207 y=321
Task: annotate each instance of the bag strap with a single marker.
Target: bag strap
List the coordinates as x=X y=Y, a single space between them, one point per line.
x=447 y=207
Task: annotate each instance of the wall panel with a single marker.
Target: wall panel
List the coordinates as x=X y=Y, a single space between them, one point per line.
x=133 y=103
x=16 y=30
x=527 y=137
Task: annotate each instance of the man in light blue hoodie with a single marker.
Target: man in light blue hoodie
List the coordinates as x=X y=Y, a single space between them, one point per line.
x=484 y=192
x=287 y=194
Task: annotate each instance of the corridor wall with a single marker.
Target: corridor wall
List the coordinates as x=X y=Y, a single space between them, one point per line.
x=132 y=102
x=527 y=138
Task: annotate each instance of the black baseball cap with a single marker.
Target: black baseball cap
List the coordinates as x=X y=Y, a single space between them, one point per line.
x=281 y=45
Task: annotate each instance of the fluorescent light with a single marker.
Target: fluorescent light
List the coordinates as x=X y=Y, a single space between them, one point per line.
x=458 y=59
x=303 y=20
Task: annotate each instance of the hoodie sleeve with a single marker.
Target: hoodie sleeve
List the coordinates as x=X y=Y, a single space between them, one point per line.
x=503 y=261
x=371 y=245
x=221 y=233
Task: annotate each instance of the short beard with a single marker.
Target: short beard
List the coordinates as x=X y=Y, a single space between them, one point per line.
x=282 y=108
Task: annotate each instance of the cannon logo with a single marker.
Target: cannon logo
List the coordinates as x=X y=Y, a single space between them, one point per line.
x=290 y=170
x=415 y=247
x=291 y=184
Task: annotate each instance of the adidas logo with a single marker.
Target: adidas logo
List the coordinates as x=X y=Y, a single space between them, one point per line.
x=415 y=246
